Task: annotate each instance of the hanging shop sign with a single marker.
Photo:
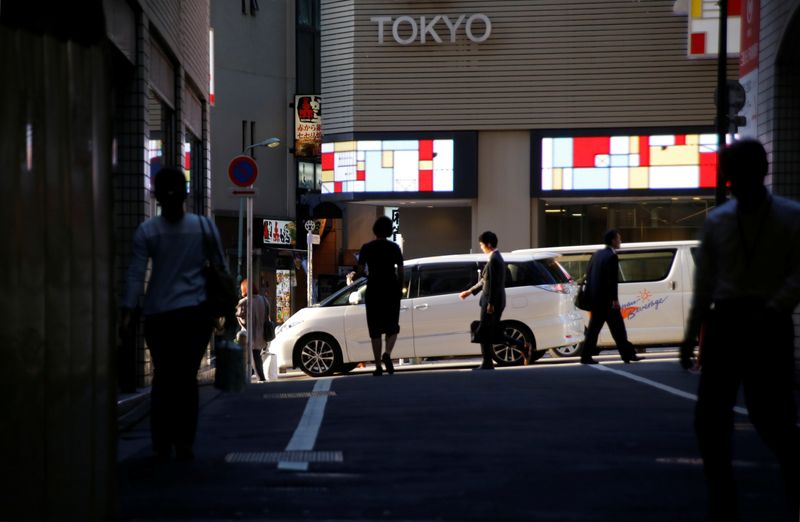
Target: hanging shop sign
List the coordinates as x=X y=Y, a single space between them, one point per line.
x=307 y=125
x=406 y=29
x=278 y=232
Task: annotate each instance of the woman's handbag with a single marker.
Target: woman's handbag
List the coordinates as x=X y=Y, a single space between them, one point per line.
x=221 y=298
x=269 y=330
x=269 y=326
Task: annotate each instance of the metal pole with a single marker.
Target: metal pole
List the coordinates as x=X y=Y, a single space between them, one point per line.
x=239 y=244
x=310 y=269
x=249 y=318
x=720 y=195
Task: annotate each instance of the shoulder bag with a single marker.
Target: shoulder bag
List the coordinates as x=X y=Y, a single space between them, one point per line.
x=269 y=326
x=221 y=298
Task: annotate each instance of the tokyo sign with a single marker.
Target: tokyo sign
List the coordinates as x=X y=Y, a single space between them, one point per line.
x=406 y=29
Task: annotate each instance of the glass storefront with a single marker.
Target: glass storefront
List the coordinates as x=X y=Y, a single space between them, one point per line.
x=579 y=222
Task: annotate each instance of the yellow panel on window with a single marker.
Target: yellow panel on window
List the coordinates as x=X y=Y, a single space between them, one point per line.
x=360 y=165
x=674 y=155
x=634 y=148
x=344 y=146
x=638 y=178
x=426 y=165
x=693 y=139
x=327 y=175
x=387 y=160
x=558 y=179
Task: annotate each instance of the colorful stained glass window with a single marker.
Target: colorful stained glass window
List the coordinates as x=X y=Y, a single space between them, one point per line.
x=387 y=166
x=679 y=161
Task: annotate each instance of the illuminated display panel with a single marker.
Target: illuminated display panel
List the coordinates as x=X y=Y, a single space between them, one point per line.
x=388 y=166
x=664 y=161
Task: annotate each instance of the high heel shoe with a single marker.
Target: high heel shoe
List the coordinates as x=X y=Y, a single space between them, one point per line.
x=387 y=361
x=378 y=372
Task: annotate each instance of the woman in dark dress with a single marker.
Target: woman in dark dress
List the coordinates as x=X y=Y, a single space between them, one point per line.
x=384 y=267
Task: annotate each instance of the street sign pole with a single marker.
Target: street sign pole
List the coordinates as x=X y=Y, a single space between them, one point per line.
x=250 y=296
x=310 y=264
x=722 y=98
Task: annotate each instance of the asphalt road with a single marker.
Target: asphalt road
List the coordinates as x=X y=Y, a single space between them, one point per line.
x=555 y=441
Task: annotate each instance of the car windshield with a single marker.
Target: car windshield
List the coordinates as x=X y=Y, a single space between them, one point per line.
x=342 y=296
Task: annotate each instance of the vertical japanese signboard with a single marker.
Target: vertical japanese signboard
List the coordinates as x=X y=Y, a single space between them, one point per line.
x=307 y=125
x=748 y=65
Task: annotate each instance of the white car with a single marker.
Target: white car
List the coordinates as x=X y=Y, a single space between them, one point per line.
x=332 y=336
x=655 y=289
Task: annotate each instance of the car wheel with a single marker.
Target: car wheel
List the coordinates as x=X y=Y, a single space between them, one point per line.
x=511 y=355
x=573 y=350
x=347 y=367
x=318 y=355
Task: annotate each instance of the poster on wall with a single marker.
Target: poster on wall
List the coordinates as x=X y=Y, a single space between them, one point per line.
x=307 y=125
x=283 y=295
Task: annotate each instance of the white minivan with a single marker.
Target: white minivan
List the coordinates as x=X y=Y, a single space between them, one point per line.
x=655 y=289
x=332 y=336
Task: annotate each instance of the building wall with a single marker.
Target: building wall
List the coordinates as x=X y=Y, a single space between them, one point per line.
x=503 y=203
x=254 y=82
x=436 y=231
x=586 y=63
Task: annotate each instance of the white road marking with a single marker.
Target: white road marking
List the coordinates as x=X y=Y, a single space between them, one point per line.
x=305 y=435
x=658 y=385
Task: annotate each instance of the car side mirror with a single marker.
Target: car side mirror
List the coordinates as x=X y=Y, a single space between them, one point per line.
x=355 y=298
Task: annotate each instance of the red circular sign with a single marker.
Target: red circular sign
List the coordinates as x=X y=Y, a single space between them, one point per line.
x=243 y=171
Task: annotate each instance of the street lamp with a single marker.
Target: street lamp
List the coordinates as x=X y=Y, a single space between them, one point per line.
x=270 y=143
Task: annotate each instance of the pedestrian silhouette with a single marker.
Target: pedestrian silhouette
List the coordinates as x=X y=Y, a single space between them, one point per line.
x=747 y=284
x=602 y=281
x=492 y=288
x=260 y=315
x=177 y=325
x=382 y=260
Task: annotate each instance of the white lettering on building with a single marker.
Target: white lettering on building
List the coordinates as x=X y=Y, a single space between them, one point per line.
x=406 y=29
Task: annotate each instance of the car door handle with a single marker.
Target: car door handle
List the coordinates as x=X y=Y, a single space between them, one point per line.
x=421 y=307
x=673 y=285
x=403 y=308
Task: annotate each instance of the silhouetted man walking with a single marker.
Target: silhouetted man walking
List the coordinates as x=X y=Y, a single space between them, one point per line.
x=602 y=282
x=746 y=286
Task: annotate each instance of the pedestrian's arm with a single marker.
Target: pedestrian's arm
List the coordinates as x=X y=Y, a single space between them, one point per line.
x=704 y=281
x=788 y=295
x=134 y=280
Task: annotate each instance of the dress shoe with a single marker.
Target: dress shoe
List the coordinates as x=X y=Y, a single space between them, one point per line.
x=378 y=372
x=588 y=360
x=387 y=361
x=631 y=358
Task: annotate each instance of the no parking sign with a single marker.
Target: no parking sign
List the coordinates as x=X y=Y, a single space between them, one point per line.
x=243 y=171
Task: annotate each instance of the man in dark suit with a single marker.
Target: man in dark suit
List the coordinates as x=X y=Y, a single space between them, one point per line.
x=492 y=287
x=601 y=285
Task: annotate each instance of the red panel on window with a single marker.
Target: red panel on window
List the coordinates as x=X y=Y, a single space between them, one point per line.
x=734 y=8
x=327 y=161
x=644 y=151
x=698 y=43
x=585 y=149
x=361 y=175
x=337 y=186
x=425 y=150
x=680 y=139
x=426 y=181
x=708 y=169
